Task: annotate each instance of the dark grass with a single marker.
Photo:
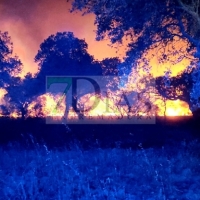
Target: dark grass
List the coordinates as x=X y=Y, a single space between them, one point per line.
x=135 y=162
x=174 y=129
x=170 y=172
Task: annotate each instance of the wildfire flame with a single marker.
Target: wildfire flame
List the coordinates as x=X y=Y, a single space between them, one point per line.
x=173 y=108
x=46 y=105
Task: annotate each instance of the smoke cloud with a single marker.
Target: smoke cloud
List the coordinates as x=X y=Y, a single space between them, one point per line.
x=29 y=22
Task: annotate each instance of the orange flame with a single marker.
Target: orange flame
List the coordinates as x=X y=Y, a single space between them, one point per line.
x=173 y=108
x=46 y=105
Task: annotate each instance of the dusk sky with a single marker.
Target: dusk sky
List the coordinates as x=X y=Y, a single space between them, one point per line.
x=29 y=22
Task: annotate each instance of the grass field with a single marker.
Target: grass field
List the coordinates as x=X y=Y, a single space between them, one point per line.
x=134 y=162
x=169 y=172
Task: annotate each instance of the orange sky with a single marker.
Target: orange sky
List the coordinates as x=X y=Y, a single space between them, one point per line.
x=29 y=22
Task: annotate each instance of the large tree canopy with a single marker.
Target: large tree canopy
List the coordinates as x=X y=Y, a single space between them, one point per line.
x=146 y=23
x=10 y=65
x=149 y=24
x=10 y=69
x=63 y=54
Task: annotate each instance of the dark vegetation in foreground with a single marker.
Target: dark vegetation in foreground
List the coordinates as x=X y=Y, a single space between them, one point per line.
x=165 y=131
x=40 y=161
x=171 y=172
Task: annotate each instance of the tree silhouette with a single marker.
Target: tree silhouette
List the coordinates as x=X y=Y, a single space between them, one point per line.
x=10 y=69
x=21 y=94
x=63 y=54
x=180 y=87
x=10 y=65
x=149 y=25
x=110 y=66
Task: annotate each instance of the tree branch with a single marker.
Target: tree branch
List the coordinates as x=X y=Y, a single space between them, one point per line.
x=192 y=10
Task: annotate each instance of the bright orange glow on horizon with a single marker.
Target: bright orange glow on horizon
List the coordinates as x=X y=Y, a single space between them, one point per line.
x=29 y=24
x=173 y=108
x=45 y=105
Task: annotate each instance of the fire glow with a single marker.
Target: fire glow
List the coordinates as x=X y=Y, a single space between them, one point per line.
x=45 y=105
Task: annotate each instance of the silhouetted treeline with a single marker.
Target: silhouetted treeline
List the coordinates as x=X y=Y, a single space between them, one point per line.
x=35 y=131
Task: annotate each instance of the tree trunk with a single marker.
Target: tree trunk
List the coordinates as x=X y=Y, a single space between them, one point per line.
x=23 y=113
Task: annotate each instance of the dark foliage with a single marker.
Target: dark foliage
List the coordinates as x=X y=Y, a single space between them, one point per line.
x=63 y=54
x=103 y=136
